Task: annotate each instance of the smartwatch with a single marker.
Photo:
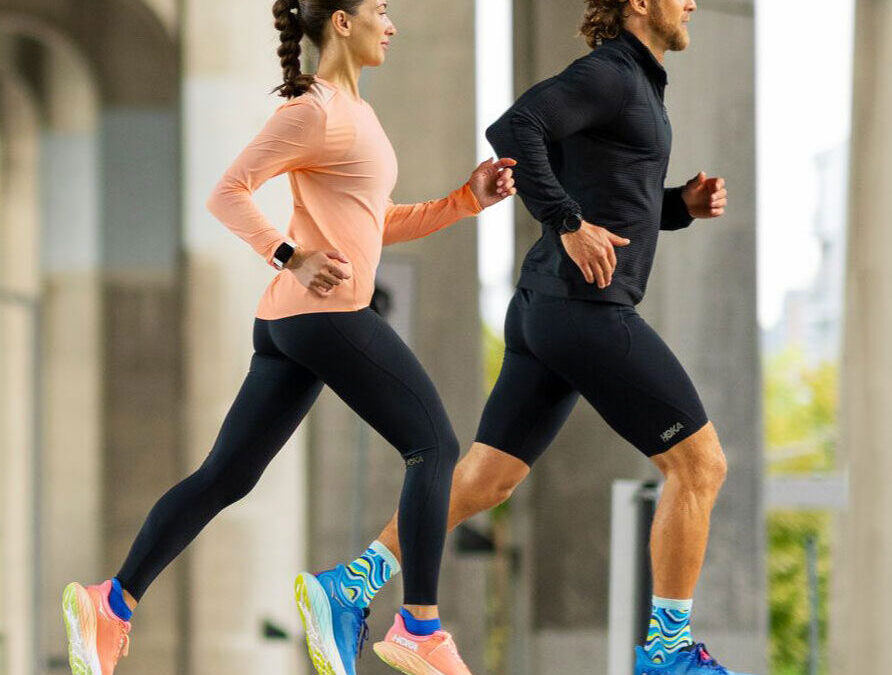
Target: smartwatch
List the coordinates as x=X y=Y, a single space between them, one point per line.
x=570 y=223
x=282 y=255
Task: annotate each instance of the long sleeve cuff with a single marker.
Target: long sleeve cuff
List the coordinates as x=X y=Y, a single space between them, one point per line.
x=569 y=208
x=405 y=222
x=675 y=212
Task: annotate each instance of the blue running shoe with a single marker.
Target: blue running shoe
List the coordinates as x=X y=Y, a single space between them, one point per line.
x=336 y=630
x=691 y=661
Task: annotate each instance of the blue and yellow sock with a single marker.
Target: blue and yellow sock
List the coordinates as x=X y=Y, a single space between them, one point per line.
x=670 y=628
x=367 y=575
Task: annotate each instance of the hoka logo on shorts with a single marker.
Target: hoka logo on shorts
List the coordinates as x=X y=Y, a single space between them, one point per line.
x=414 y=461
x=408 y=644
x=670 y=433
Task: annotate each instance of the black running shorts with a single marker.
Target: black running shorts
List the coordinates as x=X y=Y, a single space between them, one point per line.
x=557 y=348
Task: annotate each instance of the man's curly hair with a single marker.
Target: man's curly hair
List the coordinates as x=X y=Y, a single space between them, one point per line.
x=603 y=20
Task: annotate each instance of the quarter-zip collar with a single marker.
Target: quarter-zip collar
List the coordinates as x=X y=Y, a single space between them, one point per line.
x=632 y=45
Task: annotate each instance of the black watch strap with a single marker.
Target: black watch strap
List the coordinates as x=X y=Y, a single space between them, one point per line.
x=571 y=222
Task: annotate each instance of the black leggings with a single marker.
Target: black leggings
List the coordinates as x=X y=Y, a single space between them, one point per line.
x=365 y=362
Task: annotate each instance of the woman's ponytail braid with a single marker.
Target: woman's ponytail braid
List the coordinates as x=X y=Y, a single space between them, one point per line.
x=288 y=23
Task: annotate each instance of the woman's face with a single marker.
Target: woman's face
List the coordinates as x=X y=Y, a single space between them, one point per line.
x=371 y=32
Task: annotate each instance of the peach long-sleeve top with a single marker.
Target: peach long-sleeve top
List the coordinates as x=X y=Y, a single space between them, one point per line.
x=342 y=170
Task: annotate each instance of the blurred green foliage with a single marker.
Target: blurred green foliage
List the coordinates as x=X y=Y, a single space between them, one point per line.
x=493 y=352
x=800 y=405
x=801 y=417
x=788 y=588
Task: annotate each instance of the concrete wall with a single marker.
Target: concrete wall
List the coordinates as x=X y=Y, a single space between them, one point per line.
x=696 y=303
x=863 y=589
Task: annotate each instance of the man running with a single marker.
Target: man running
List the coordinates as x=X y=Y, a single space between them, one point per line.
x=593 y=147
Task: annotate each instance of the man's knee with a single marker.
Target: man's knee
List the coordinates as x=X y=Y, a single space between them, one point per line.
x=707 y=471
x=489 y=476
x=698 y=463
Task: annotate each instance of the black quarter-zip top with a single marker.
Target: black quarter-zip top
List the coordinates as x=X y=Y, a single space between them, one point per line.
x=595 y=140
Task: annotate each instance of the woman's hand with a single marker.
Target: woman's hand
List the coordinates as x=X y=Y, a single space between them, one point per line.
x=492 y=181
x=320 y=271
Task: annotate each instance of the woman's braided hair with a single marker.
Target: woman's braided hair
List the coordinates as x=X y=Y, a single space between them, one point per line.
x=293 y=20
x=603 y=20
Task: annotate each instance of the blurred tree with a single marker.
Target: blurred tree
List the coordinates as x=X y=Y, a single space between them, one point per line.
x=801 y=417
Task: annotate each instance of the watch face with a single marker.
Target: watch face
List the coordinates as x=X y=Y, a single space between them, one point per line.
x=283 y=254
x=572 y=223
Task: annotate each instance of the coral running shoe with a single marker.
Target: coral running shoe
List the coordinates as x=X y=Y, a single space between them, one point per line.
x=97 y=638
x=690 y=661
x=420 y=655
x=336 y=629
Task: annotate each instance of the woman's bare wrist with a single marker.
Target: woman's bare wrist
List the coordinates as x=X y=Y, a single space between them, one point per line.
x=296 y=259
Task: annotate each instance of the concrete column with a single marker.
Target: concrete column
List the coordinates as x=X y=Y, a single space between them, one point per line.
x=19 y=227
x=565 y=504
x=141 y=319
x=702 y=300
x=430 y=67
x=864 y=589
x=695 y=302
x=242 y=567
x=71 y=344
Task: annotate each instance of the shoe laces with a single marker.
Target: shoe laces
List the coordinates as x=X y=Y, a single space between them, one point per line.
x=123 y=645
x=363 y=629
x=700 y=655
x=451 y=646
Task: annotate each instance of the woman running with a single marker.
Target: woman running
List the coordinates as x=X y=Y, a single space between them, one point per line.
x=314 y=327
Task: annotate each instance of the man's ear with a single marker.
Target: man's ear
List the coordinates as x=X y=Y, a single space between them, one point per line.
x=639 y=7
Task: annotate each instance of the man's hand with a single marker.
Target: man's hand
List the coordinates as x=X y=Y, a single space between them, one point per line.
x=492 y=181
x=591 y=248
x=320 y=271
x=705 y=197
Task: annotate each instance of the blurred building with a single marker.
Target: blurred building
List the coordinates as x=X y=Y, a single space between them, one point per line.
x=125 y=331
x=812 y=317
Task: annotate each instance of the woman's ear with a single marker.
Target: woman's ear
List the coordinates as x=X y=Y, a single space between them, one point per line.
x=340 y=23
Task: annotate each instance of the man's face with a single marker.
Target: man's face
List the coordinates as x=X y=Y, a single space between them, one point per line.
x=669 y=19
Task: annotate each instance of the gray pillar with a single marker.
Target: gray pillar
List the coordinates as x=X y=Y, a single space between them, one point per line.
x=71 y=343
x=864 y=588
x=19 y=228
x=424 y=97
x=696 y=303
x=566 y=506
x=242 y=566
x=702 y=300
